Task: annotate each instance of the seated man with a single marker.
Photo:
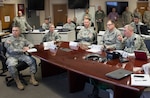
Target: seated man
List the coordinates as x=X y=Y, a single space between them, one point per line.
x=45 y=25
x=132 y=41
x=136 y=25
x=16 y=47
x=69 y=25
x=146 y=17
x=74 y=21
x=91 y=23
x=51 y=35
x=86 y=35
x=109 y=39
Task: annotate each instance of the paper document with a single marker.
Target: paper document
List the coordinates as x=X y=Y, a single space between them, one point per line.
x=95 y=48
x=38 y=31
x=47 y=45
x=32 y=50
x=73 y=45
x=140 y=80
x=146 y=68
x=59 y=27
x=101 y=33
x=79 y=27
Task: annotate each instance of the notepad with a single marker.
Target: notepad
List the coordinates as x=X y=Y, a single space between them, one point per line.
x=140 y=80
x=119 y=73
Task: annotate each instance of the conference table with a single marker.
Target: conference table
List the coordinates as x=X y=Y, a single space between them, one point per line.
x=78 y=69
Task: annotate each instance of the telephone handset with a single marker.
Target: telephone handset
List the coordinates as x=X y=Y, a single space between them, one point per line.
x=95 y=57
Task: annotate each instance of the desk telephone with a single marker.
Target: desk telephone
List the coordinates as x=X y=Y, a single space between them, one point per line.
x=110 y=56
x=95 y=57
x=116 y=55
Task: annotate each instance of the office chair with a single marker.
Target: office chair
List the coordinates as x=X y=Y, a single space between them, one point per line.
x=60 y=24
x=95 y=39
x=147 y=43
x=20 y=67
x=3 y=60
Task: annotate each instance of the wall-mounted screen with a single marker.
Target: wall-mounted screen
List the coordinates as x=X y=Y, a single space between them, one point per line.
x=120 y=6
x=75 y=4
x=35 y=4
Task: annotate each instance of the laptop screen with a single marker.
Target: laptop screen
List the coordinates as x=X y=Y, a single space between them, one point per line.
x=144 y=29
x=140 y=55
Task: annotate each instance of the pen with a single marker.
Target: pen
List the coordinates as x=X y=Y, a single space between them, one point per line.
x=139 y=76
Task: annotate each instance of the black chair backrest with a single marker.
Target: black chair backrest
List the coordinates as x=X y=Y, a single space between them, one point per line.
x=147 y=43
x=2 y=52
x=2 y=56
x=144 y=29
x=95 y=38
x=60 y=24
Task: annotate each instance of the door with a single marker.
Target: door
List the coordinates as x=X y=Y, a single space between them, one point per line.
x=142 y=6
x=7 y=13
x=59 y=13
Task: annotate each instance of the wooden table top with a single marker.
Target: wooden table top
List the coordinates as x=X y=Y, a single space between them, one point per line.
x=74 y=61
x=3 y=34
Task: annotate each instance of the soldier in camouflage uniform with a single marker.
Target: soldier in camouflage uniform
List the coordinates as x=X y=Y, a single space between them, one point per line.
x=137 y=13
x=146 y=17
x=21 y=22
x=87 y=14
x=127 y=16
x=86 y=35
x=51 y=35
x=16 y=47
x=132 y=41
x=136 y=24
x=99 y=17
x=69 y=25
x=109 y=39
x=45 y=25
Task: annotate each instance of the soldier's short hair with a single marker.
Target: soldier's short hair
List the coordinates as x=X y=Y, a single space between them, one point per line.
x=46 y=18
x=16 y=26
x=129 y=27
x=135 y=16
x=51 y=24
x=112 y=21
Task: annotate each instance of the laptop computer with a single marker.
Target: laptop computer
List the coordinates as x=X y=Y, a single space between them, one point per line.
x=140 y=55
x=119 y=73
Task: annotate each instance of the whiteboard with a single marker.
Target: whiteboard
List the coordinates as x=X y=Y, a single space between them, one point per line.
x=80 y=12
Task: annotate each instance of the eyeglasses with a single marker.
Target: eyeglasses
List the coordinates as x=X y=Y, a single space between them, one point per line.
x=109 y=24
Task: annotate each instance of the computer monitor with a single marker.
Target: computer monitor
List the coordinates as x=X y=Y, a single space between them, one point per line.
x=144 y=29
